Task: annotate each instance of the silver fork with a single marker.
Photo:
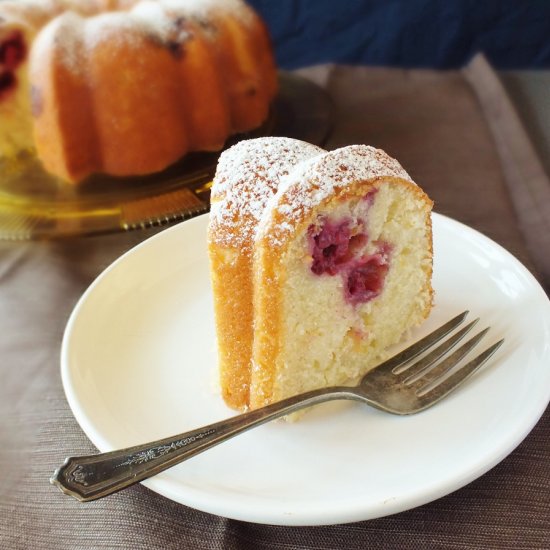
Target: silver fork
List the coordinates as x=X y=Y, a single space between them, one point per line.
x=398 y=386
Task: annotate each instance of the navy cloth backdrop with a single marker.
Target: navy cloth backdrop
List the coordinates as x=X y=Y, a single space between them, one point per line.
x=513 y=34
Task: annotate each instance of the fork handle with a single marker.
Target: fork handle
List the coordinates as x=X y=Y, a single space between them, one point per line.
x=95 y=476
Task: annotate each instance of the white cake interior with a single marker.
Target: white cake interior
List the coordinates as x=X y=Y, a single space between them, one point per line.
x=330 y=340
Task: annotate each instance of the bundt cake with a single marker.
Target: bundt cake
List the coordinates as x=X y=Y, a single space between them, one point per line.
x=127 y=87
x=320 y=261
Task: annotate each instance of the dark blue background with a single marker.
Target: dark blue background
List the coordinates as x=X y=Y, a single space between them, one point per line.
x=415 y=33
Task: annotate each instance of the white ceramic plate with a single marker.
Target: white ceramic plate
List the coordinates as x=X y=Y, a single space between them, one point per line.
x=139 y=363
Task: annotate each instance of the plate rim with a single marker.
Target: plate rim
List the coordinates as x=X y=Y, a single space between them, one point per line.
x=274 y=516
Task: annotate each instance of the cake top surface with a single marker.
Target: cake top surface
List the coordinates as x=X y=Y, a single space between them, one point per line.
x=316 y=180
x=202 y=8
x=70 y=23
x=247 y=176
x=264 y=186
x=161 y=14
x=112 y=19
x=196 y=8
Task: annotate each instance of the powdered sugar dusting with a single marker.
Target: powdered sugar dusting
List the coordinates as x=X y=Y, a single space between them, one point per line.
x=117 y=28
x=35 y=13
x=146 y=19
x=68 y=25
x=151 y=18
x=201 y=9
x=160 y=20
x=247 y=176
x=311 y=183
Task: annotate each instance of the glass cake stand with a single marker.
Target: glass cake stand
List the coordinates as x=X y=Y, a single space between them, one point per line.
x=34 y=204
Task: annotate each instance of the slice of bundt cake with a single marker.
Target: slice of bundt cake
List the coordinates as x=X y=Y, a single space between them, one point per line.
x=340 y=268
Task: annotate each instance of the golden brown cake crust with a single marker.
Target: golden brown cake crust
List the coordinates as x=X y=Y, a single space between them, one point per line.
x=247 y=176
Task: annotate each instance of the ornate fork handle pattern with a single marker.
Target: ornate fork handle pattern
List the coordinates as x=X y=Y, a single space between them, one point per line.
x=95 y=476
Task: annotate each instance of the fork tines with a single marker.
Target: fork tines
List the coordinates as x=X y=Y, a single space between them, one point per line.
x=427 y=374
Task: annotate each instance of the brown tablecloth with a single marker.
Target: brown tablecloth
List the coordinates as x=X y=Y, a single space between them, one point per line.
x=459 y=137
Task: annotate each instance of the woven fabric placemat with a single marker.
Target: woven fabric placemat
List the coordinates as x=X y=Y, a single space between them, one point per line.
x=475 y=161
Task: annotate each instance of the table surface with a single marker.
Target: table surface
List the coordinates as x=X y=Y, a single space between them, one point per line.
x=529 y=93
x=442 y=129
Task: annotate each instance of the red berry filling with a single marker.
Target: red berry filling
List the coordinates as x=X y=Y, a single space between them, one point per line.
x=7 y=80
x=336 y=248
x=329 y=247
x=12 y=51
x=366 y=280
x=12 y=54
x=369 y=197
